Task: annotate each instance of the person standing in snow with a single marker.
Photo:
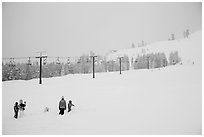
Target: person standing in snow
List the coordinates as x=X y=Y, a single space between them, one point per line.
x=16 y=108
x=62 y=106
x=22 y=107
x=70 y=105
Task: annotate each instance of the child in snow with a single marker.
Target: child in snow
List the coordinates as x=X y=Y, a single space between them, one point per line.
x=62 y=106
x=22 y=107
x=16 y=108
x=70 y=105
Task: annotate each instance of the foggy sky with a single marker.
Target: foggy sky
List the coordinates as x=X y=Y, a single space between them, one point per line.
x=72 y=29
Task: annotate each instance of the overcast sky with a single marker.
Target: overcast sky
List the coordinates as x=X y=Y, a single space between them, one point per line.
x=71 y=29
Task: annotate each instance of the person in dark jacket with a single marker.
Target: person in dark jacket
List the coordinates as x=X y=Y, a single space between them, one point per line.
x=16 y=108
x=62 y=106
x=70 y=105
x=22 y=106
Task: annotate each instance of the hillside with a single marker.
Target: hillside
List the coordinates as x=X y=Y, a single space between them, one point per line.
x=165 y=100
x=189 y=49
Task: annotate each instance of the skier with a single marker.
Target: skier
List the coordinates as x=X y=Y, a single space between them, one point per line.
x=70 y=105
x=62 y=106
x=16 y=108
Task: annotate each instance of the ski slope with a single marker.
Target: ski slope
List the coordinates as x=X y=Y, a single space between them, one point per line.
x=159 y=101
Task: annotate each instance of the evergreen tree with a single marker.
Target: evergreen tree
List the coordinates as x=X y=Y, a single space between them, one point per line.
x=172 y=37
x=174 y=58
x=133 y=45
x=187 y=33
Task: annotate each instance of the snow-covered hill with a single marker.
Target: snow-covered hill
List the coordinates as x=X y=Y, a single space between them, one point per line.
x=156 y=101
x=159 y=101
x=189 y=49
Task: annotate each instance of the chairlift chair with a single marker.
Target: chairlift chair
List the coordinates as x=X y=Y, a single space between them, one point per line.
x=29 y=62
x=44 y=61
x=58 y=61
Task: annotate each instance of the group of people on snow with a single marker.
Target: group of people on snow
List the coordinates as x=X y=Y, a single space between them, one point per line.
x=20 y=107
x=62 y=106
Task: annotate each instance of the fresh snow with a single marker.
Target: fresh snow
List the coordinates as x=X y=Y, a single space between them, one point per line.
x=156 y=101
x=165 y=101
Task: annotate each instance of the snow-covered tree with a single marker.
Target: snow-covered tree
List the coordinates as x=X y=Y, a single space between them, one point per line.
x=133 y=45
x=187 y=33
x=172 y=37
x=174 y=58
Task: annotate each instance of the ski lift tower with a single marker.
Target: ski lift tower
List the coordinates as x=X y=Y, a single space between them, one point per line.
x=93 y=57
x=40 y=57
x=120 y=59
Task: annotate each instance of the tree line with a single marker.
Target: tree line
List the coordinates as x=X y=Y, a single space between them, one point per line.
x=84 y=65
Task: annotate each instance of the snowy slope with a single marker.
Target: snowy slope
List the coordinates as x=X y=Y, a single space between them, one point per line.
x=189 y=49
x=165 y=101
x=158 y=101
